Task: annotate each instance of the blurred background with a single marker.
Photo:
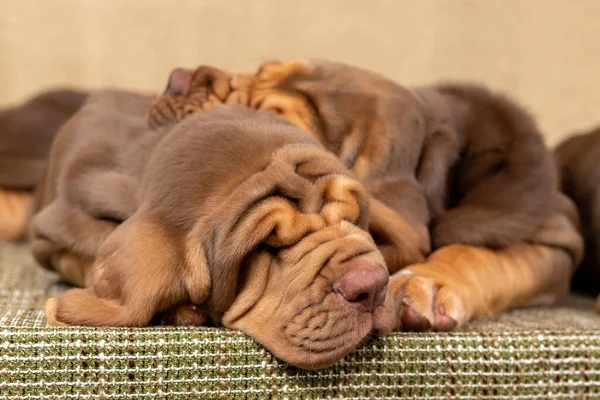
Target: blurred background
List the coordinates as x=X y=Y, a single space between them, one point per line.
x=546 y=53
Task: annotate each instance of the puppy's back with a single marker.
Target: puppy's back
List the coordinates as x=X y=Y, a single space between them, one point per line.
x=108 y=133
x=26 y=134
x=578 y=160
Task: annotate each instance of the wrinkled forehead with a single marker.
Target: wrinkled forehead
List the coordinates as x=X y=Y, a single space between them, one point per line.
x=216 y=150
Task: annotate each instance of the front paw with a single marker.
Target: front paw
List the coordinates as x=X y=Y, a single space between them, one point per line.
x=417 y=302
x=184 y=314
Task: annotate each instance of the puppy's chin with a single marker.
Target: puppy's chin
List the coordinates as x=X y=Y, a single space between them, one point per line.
x=295 y=311
x=316 y=337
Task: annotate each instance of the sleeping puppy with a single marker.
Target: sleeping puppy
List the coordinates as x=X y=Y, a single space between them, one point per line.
x=234 y=216
x=468 y=164
x=118 y=208
x=578 y=159
x=26 y=132
x=455 y=160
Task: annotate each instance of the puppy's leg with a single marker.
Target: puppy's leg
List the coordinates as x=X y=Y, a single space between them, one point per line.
x=66 y=234
x=14 y=208
x=503 y=195
x=138 y=272
x=458 y=282
x=66 y=239
x=440 y=153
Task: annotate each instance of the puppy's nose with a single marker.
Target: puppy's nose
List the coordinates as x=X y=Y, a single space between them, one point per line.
x=365 y=286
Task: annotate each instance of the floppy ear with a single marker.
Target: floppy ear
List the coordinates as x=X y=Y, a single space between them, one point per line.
x=252 y=283
x=179 y=82
x=135 y=275
x=189 y=91
x=400 y=243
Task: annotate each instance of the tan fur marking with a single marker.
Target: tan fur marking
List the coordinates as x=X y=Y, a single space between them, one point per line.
x=14 y=207
x=73 y=267
x=275 y=71
x=288 y=106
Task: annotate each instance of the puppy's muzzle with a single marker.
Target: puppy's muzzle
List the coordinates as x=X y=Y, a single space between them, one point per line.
x=364 y=287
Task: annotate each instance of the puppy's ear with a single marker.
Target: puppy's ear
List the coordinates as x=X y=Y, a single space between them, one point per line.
x=137 y=273
x=189 y=91
x=186 y=81
x=252 y=284
x=179 y=82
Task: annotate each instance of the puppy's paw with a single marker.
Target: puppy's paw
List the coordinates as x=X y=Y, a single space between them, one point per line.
x=50 y=310
x=429 y=305
x=186 y=315
x=419 y=303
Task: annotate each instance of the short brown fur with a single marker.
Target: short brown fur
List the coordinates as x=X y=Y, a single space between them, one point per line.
x=238 y=217
x=578 y=160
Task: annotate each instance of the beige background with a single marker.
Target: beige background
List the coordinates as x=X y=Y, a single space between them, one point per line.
x=545 y=52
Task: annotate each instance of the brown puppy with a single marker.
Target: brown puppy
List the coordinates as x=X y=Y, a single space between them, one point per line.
x=578 y=159
x=469 y=164
x=454 y=284
x=236 y=212
x=475 y=157
x=26 y=133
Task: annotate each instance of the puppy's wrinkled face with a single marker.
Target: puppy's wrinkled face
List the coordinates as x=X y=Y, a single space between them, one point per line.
x=312 y=303
x=291 y=262
x=280 y=225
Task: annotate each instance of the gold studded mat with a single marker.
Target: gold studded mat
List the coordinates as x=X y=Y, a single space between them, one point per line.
x=551 y=353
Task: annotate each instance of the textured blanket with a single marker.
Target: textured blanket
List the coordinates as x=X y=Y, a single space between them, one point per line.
x=545 y=353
